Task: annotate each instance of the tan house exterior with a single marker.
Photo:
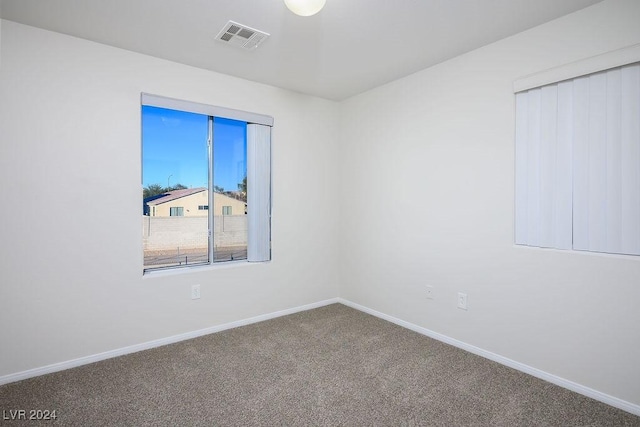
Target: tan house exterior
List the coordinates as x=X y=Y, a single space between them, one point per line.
x=192 y=202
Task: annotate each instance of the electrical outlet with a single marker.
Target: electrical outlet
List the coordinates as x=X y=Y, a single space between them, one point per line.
x=462 y=301
x=429 y=292
x=195 y=291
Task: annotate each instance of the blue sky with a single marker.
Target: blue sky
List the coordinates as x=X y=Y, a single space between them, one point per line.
x=174 y=149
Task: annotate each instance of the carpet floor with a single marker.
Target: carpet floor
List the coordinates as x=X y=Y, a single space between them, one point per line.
x=331 y=366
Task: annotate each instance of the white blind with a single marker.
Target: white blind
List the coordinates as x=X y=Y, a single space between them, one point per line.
x=543 y=167
x=578 y=163
x=259 y=192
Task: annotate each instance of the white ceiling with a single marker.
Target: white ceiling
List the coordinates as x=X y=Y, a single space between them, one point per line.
x=349 y=47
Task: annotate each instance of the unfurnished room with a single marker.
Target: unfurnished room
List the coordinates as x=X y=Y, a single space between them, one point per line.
x=320 y=212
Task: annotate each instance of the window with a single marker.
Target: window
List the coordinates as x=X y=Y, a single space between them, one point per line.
x=206 y=156
x=578 y=163
x=176 y=211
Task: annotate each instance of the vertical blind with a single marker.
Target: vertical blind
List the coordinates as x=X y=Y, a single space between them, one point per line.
x=578 y=163
x=259 y=192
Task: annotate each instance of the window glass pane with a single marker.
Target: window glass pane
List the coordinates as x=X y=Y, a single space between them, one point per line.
x=230 y=189
x=175 y=175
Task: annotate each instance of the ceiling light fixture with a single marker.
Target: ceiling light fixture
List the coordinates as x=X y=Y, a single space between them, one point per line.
x=305 y=7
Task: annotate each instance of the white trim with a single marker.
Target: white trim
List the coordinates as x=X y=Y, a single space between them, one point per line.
x=570 y=385
x=209 y=110
x=605 y=61
x=19 y=376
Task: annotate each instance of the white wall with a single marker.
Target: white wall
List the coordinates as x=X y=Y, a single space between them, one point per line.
x=441 y=143
x=72 y=282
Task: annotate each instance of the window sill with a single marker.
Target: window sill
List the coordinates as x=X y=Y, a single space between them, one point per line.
x=579 y=252
x=174 y=271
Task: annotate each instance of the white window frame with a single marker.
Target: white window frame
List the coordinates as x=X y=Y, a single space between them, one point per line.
x=259 y=177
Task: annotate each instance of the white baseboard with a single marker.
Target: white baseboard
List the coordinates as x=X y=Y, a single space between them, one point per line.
x=155 y=343
x=570 y=385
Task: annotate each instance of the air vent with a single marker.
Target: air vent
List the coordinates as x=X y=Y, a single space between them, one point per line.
x=241 y=36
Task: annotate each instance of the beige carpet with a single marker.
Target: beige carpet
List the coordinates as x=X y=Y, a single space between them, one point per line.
x=328 y=366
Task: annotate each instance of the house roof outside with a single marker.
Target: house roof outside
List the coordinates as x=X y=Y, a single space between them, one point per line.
x=172 y=195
